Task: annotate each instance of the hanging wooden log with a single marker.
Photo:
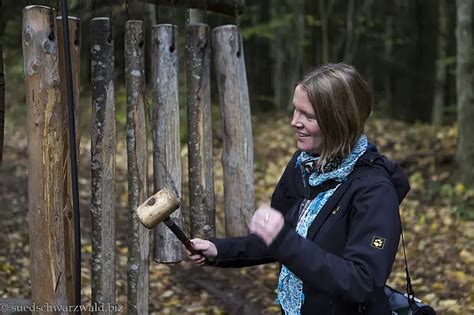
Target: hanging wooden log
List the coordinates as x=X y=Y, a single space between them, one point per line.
x=2 y=103
x=46 y=126
x=103 y=144
x=68 y=215
x=166 y=144
x=237 y=157
x=138 y=235
x=2 y=100
x=201 y=183
x=229 y=7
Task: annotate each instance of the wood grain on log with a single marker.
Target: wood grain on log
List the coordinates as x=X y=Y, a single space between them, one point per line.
x=237 y=157
x=103 y=146
x=137 y=161
x=201 y=182
x=166 y=140
x=47 y=162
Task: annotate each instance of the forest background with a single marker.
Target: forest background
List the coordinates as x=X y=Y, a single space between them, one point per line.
x=417 y=57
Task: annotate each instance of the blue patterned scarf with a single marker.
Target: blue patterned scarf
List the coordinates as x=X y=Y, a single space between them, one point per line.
x=290 y=288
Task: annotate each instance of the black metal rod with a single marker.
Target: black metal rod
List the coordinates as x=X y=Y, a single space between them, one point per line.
x=72 y=147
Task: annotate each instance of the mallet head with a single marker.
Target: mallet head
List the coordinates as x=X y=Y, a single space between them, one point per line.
x=157 y=208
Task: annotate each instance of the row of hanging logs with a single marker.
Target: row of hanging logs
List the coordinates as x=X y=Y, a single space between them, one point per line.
x=49 y=200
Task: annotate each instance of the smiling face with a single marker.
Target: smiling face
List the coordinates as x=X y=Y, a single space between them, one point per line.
x=309 y=136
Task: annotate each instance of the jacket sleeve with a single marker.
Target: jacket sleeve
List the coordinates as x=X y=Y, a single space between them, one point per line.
x=361 y=268
x=242 y=251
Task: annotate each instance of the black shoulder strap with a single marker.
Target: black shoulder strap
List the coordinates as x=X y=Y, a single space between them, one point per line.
x=374 y=170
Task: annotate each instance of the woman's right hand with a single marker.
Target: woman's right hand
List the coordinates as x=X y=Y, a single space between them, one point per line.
x=207 y=251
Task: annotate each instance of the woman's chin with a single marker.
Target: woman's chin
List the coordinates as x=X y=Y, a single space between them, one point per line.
x=307 y=147
x=304 y=146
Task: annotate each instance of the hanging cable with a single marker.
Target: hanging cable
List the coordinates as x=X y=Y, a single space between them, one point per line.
x=237 y=14
x=186 y=13
x=93 y=8
x=52 y=27
x=77 y=37
x=237 y=22
x=110 y=39
x=144 y=12
x=173 y=30
x=132 y=11
x=110 y=10
x=127 y=10
x=72 y=148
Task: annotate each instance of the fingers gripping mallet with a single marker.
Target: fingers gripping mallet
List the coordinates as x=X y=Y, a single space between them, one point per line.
x=158 y=208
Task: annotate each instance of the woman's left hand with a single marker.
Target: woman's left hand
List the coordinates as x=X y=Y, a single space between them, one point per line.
x=266 y=223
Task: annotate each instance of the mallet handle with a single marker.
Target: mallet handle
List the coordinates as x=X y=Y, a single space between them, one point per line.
x=180 y=235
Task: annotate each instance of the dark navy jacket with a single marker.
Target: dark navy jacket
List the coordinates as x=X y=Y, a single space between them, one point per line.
x=350 y=247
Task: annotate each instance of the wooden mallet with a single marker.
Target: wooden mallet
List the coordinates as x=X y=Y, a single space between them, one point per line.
x=158 y=208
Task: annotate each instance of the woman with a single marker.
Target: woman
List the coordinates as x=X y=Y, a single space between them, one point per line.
x=333 y=223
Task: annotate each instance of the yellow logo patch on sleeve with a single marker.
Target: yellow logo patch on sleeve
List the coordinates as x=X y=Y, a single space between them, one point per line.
x=378 y=242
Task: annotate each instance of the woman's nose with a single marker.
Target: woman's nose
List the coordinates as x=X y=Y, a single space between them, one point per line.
x=295 y=121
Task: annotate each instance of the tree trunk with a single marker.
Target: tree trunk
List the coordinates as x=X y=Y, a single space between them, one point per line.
x=279 y=80
x=260 y=67
x=348 y=51
x=324 y=18
x=201 y=183
x=138 y=235
x=441 y=71
x=297 y=51
x=103 y=145
x=288 y=50
x=166 y=140
x=388 y=57
x=68 y=213
x=2 y=103
x=237 y=158
x=353 y=20
x=464 y=84
x=47 y=125
x=425 y=56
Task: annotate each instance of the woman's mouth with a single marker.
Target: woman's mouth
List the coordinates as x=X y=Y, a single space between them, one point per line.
x=302 y=135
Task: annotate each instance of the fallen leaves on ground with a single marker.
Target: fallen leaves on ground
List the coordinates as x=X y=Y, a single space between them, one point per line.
x=437 y=216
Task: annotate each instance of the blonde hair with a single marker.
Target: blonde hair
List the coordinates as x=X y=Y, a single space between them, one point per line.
x=342 y=102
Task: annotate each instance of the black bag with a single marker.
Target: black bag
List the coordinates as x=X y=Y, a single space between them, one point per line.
x=402 y=304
